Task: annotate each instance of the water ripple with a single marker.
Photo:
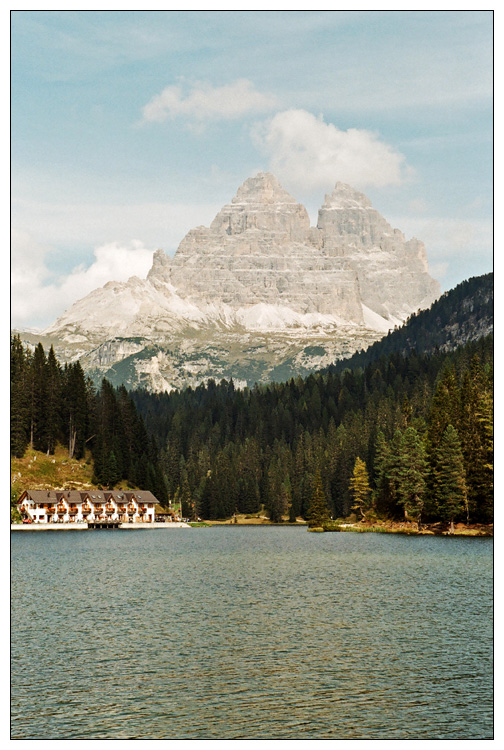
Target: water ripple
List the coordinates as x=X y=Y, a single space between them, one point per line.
x=232 y=633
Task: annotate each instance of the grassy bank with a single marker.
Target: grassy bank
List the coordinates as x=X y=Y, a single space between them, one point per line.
x=411 y=529
x=39 y=471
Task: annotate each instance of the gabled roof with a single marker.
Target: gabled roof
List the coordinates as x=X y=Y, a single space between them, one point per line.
x=39 y=496
x=144 y=496
x=76 y=497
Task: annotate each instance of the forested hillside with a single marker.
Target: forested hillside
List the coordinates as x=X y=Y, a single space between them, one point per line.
x=421 y=427
x=460 y=315
x=53 y=405
x=407 y=436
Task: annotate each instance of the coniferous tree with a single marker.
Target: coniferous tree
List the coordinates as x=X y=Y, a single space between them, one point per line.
x=383 y=498
x=183 y=494
x=275 y=500
x=271 y=436
x=476 y=445
x=52 y=422
x=360 y=490
x=112 y=473
x=412 y=474
x=343 y=471
x=449 y=478
x=318 y=512
x=393 y=470
x=20 y=406
x=75 y=406
x=37 y=397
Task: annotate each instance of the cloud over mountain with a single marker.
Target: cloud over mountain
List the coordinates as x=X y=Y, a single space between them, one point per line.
x=35 y=291
x=306 y=151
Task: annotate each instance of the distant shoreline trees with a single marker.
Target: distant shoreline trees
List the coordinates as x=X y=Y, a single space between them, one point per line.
x=267 y=444
x=421 y=426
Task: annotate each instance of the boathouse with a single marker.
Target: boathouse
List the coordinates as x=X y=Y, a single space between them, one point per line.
x=73 y=506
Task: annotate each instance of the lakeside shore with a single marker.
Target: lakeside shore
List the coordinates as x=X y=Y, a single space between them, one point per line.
x=383 y=527
x=85 y=527
x=410 y=529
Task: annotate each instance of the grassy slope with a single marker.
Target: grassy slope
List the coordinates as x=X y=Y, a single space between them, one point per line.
x=38 y=471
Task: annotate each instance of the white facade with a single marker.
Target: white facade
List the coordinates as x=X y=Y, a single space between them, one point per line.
x=72 y=506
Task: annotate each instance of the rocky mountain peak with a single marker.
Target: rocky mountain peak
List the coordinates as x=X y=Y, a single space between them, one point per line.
x=258 y=279
x=263 y=188
x=345 y=196
x=262 y=204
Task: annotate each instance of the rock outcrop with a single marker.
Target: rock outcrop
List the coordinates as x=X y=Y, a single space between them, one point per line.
x=260 y=278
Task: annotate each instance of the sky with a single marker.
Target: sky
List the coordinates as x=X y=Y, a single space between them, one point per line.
x=129 y=128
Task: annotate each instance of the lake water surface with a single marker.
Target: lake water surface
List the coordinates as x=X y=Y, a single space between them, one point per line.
x=250 y=633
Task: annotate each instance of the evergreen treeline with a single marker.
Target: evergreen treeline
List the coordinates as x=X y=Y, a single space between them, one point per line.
x=51 y=404
x=417 y=428
x=406 y=436
x=449 y=322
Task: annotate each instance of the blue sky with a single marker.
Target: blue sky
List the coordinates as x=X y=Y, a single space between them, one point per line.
x=131 y=127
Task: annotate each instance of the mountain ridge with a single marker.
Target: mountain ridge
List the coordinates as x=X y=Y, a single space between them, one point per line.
x=247 y=296
x=461 y=315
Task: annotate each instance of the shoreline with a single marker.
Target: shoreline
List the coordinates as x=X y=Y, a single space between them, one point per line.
x=85 y=527
x=385 y=527
x=460 y=530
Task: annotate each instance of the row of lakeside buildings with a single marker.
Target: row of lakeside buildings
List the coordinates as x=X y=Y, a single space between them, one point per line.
x=73 y=506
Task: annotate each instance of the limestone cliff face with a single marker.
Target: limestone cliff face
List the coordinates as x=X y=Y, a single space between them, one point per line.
x=259 y=270
x=393 y=273
x=260 y=248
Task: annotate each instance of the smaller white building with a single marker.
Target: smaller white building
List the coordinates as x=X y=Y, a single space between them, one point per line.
x=73 y=506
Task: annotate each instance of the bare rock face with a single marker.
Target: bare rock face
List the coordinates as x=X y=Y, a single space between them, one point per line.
x=260 y=249
x=259 y=278
x=262 y=204
x=393 y=273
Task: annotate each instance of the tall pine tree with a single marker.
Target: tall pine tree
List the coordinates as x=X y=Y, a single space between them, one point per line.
x=449 y=478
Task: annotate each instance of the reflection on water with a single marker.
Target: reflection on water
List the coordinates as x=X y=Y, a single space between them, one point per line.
x=250 y=633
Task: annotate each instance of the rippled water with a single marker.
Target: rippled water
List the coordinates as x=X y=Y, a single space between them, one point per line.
x=250 y=633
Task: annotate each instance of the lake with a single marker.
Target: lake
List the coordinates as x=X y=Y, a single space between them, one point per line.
x=250 y=633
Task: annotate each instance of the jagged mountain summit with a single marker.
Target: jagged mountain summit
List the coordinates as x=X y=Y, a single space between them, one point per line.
x=258 y=295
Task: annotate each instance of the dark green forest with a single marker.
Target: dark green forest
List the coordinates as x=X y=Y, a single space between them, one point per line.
x=52 y=404
x=422 y=425
x=407 y=436
x=453 y=319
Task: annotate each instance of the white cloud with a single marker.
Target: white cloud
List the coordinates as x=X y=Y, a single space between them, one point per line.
x=305 y=152
x=38 y=298
x=205 y=102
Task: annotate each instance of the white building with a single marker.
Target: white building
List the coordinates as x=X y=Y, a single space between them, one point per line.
x=73 y=506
